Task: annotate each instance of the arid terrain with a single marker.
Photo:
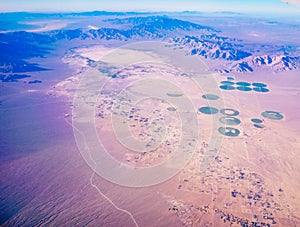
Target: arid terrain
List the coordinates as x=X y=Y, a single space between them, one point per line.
x=242 y=98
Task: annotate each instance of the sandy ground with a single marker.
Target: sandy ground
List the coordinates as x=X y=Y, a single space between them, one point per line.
x=254 y=178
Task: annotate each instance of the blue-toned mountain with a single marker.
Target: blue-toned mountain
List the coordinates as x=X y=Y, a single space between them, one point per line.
x=205 y=41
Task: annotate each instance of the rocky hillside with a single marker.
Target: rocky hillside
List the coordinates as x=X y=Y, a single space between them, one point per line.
x=198 y=40
x=213 y=46
x=276 y=63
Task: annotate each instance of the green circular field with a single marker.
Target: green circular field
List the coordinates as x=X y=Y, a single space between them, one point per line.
x=243 y=84
x=258 y=126
x=259 y=85
x=210 y=97
x=227 y=87
x=244 y=88
x=228 y=131
x=208 y=110
x=261 y=89
x=226 y=82
x=174 y=94
x=229 y=112
x=256 y=120
x=273 y=115
x=227 y=120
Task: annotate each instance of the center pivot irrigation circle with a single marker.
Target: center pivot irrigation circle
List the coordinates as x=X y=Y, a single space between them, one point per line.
x=88 y=140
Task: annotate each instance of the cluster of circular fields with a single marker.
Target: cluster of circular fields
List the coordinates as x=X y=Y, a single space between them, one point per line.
x=207 y=109
x=229 y=84
x=257 y=123
x=272 y=115
x=228 y=117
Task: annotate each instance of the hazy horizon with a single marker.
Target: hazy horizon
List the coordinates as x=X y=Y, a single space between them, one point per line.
x=148 y=113
x=268 y=6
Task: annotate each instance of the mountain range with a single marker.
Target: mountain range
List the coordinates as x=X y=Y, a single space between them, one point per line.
x=276 y=63
x=205 y=41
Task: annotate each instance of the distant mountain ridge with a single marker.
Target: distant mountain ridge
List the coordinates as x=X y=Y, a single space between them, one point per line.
x=277 y=63
x=150 y=27
x=160 y=22
x=213 y=46
x=199 y=40
x=21 y=45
